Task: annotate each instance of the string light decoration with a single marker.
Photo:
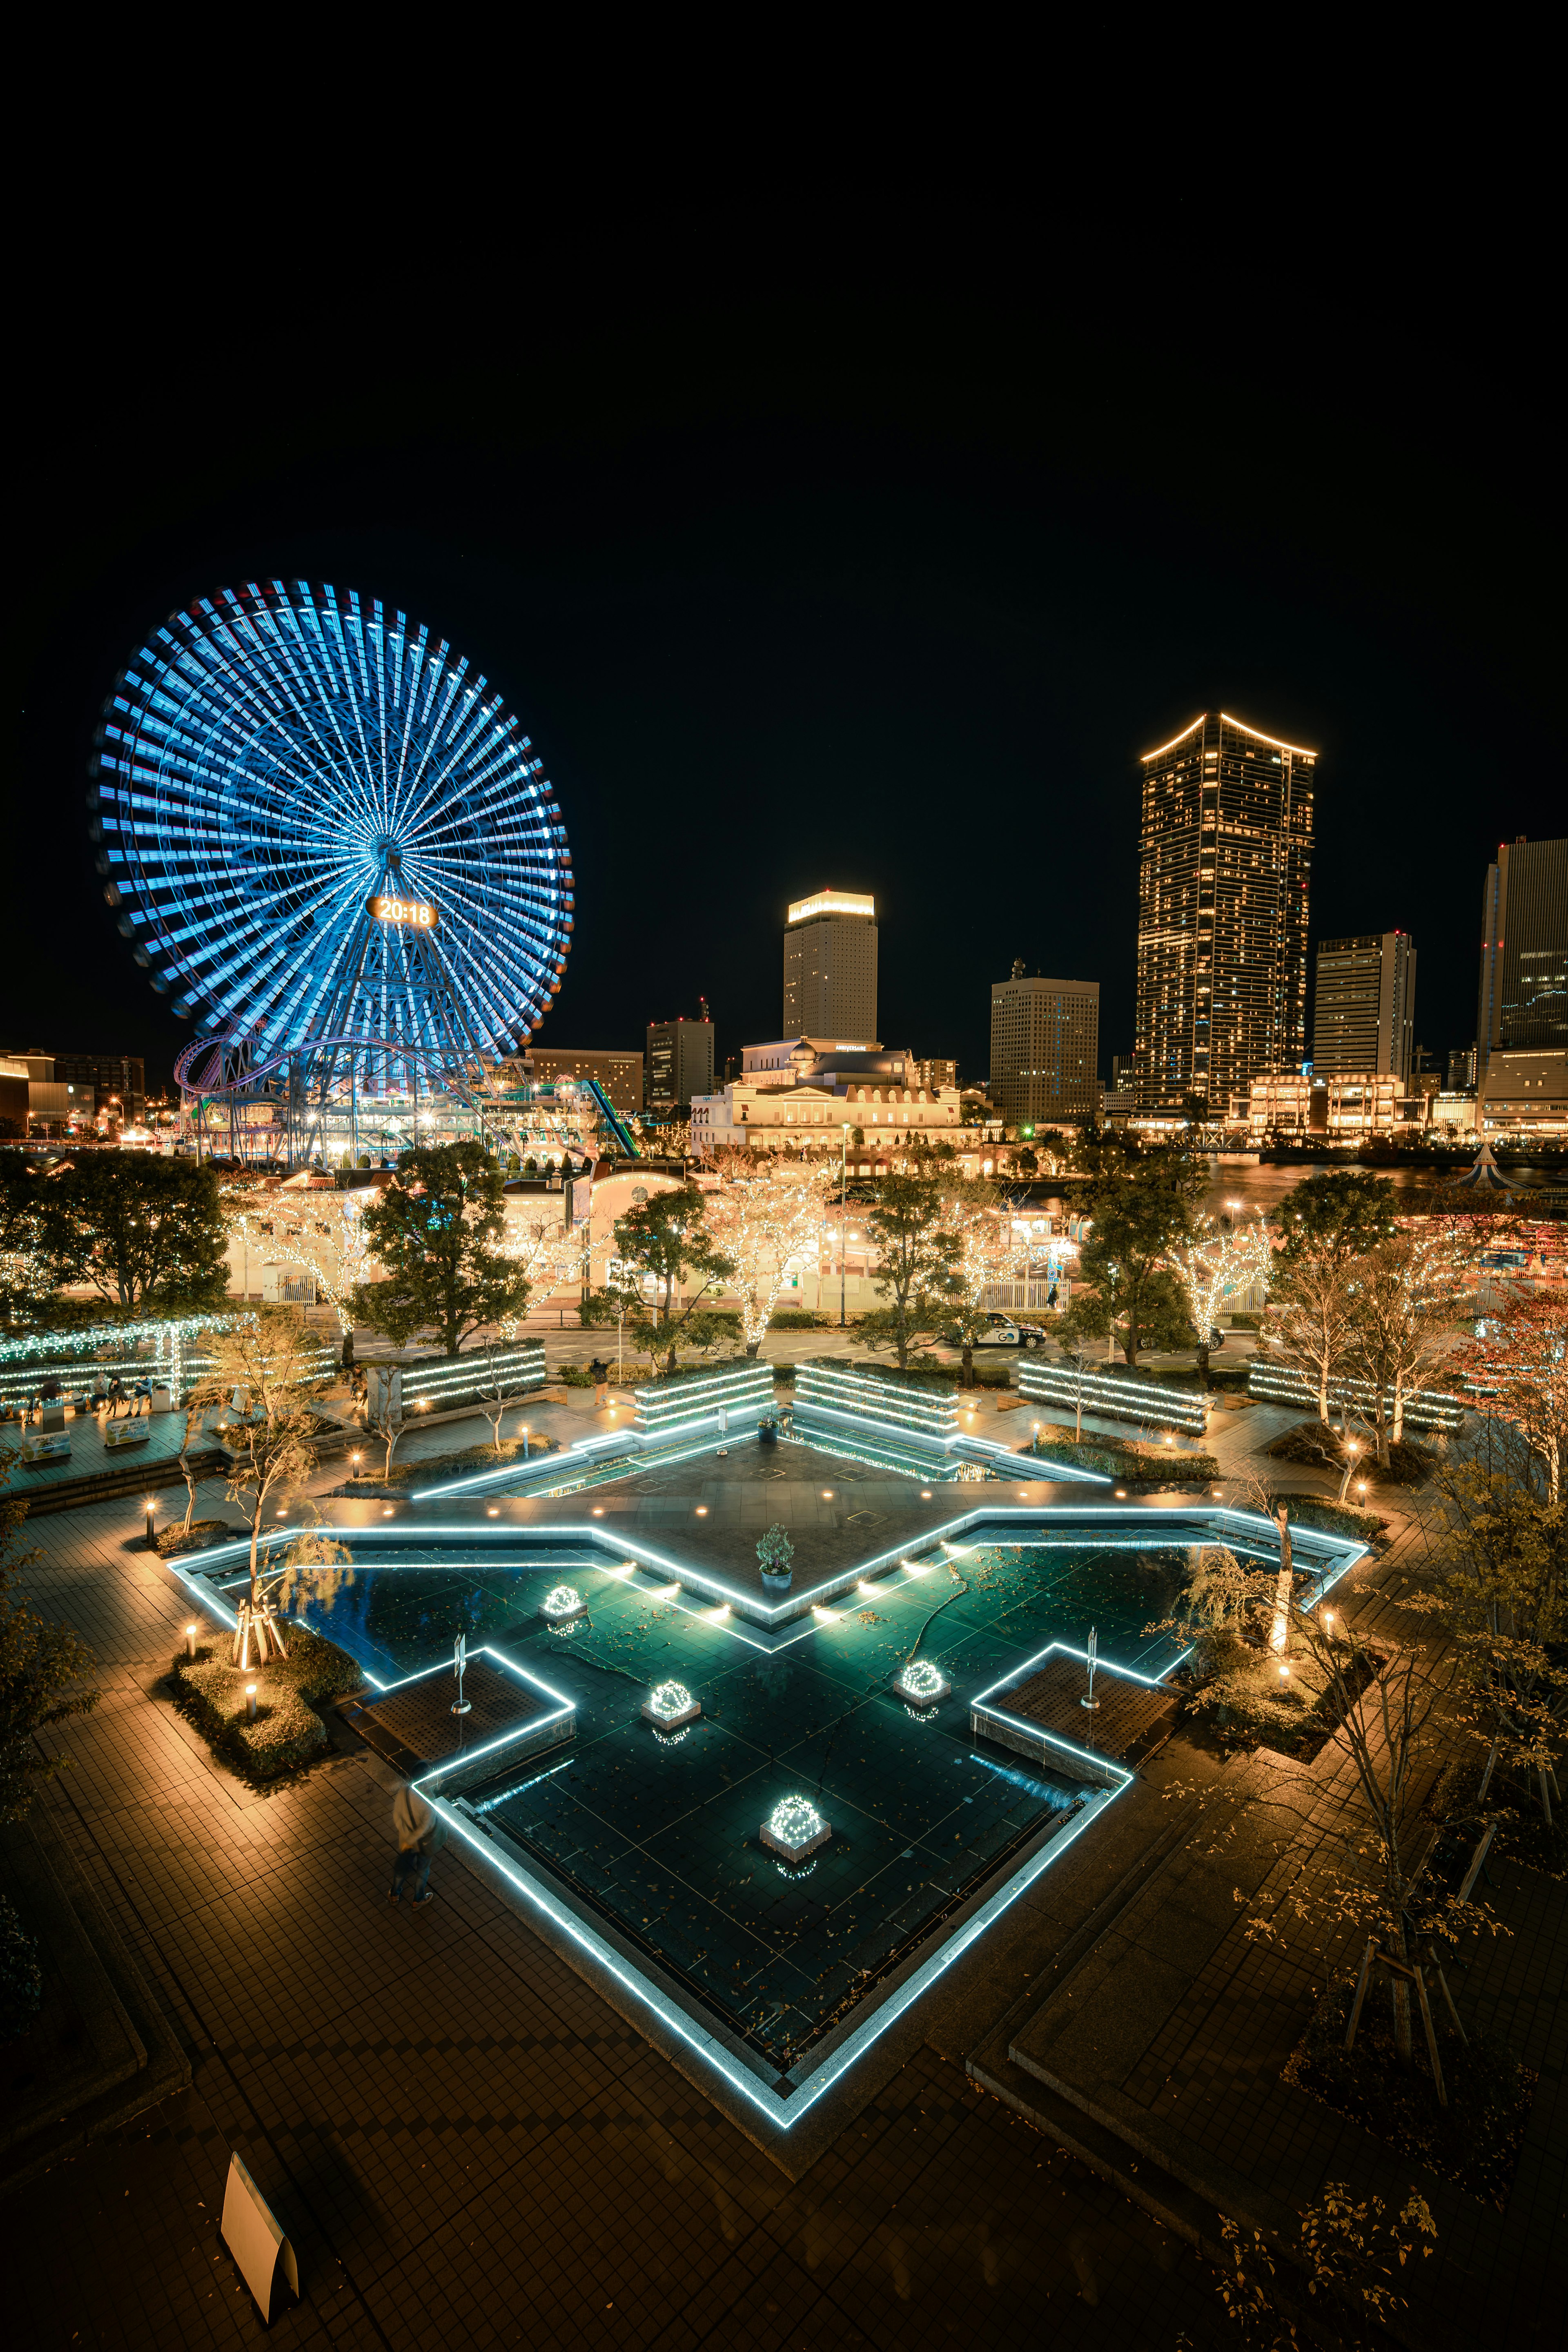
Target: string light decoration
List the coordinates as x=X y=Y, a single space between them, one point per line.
x=795 y=1828
x=562 y=1604
x=669 y=1706
x=920 y=1684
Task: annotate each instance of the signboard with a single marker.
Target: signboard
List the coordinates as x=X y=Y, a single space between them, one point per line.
x=415 y=914
x=580 y=1200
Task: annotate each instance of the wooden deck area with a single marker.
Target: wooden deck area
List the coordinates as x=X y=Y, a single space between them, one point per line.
x=1128 y=1722
x=413 y=1728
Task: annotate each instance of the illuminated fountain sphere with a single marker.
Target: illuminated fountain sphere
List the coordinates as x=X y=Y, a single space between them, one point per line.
x=563 y=1604
x=920 y=1684
x=331 y=846
x=795 y=1828
x=670 y=1705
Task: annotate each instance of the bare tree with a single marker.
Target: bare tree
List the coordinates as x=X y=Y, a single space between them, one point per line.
x=1405 y=1299
x=1307 y=1326
x=264 y=1372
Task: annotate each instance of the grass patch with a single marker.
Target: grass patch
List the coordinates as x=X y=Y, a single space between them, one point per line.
x=1474 y=2141
x=288 y=1733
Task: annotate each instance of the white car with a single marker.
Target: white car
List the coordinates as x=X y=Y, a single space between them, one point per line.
x=1002 y=1331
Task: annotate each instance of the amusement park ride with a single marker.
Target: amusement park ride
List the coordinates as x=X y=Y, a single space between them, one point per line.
x=334 y=852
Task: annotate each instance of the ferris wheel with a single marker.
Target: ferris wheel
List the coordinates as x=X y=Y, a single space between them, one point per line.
x=332 y=848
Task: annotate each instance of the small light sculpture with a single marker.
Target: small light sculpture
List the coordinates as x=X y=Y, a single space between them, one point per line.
x=795 y=1828
x=670 y=1705
x=251 y=1702
x=562 y=1604
x=920 y=1684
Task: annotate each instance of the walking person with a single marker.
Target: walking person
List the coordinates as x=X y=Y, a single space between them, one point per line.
x=599 y=1373
x=419 y=1836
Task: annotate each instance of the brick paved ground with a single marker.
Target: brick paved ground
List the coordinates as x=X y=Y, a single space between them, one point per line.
x=463 y=2141
x=1177 y=2027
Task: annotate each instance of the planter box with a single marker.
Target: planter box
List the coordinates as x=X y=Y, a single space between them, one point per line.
x=929 y=1693
x=798 y=1850
x=665 y=1407
x=438 y=1385
x=906 y=1408
x=1116 y=1399
x=671 y=1719
x=1423 y=1407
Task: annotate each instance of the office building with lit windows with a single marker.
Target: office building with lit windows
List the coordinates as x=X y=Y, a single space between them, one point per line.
x=830 y=968
x=1045 y=1050
x=1363 y=1016
x=1225 y=863
x=679 y=1060
x=1524 y=950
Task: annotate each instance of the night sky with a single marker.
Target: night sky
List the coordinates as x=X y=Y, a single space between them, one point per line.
x=875 y=581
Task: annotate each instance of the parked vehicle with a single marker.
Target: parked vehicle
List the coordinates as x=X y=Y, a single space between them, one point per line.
x=1002 y=1331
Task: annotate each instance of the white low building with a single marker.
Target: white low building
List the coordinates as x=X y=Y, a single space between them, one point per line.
x=792 y=1119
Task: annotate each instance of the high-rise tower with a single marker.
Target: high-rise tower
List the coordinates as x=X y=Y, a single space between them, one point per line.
x=830 y=968
x=1524 y=949
x=1224 y=859
x=1363 y=1016
x=1045 y=1050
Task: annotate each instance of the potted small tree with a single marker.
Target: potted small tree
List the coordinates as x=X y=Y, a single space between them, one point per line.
x=775 y=1552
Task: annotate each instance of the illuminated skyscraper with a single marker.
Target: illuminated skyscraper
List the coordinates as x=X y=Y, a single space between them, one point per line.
x=1045 y=1050
x=1224 y=859
x=830 y=968
x=1364 y=1017
x=1524 y=949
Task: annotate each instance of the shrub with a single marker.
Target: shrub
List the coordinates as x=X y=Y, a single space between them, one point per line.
x=448 y=1465
x=944 y=1376
x=195 y=1538
x=21 y=1978
x=574 y=1376
x=287 y=1733
x=796 y=1318
x=1333 y=1518
x=1247 y=1322
x=1315 y=1443
x=1123 y=1458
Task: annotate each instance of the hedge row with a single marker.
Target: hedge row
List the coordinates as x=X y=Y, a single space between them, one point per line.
x=1123 y=1458
x=286 y=1732
x=946 y=1378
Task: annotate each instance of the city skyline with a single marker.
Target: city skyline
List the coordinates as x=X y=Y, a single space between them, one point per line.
x=839 y=635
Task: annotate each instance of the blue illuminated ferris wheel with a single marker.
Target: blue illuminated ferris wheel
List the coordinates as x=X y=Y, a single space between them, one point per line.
x=333 y=849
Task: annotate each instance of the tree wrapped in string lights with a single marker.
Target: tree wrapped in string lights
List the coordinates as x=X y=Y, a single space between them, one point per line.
x=1213 y=1266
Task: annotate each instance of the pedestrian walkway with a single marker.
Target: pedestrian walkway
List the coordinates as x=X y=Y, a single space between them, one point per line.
x=463 y=2141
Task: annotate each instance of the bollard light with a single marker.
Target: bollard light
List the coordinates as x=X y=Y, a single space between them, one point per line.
x=190 y=1641
x=524 y=1433
x=152 y=1539
x=251 y=1702
x=356 y=1459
